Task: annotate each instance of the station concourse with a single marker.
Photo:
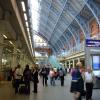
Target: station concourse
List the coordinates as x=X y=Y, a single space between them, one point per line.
x=48 y=33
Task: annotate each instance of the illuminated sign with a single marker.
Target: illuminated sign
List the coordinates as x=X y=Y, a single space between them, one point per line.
x=92 y=43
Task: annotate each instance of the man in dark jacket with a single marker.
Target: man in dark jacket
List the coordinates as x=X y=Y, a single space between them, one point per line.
x=27 y=77
x=35 y=79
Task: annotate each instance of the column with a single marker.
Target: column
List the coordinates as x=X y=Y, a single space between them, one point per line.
x=65 y=63
x=78 y=59
x=21 y=59
x=14 y=58
x=73 y=63
x=24 y=61
x=69 y=63
x=1 y=48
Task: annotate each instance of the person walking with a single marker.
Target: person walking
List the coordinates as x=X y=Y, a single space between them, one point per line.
x=77 y=84
x=35 y=78
x=27 y=77
x=44 y=75
x=52 y=76
x=61 y=74
x=89 y=79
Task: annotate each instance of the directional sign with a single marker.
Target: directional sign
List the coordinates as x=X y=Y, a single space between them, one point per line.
x=92 y=43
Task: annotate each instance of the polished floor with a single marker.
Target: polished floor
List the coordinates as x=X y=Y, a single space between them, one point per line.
x=44 y=93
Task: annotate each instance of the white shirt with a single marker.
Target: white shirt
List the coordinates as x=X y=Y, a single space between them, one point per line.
x=88 y=77
x=51 y=73
x=18 y=73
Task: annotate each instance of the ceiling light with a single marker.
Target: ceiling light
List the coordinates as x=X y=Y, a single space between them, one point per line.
x=5 y=36
x=10 y=42
x=27 y=29
x=25 y=16
x=23 y=6
x=26 y=24
x=29 y=37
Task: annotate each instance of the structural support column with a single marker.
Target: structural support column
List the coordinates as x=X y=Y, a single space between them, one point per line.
x=1 y=48
x=73 y=63
x=69 y=63
x=78 y=59
x=21 y=59
x=65 y=64
x=14 y=58
x=24 y=60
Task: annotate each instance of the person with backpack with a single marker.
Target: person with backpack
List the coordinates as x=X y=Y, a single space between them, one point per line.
x=61 y=75
x=27 y=78
x=45 y=76
x=77 y=83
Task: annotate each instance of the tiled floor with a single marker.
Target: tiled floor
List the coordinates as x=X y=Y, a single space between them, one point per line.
x=44 y=93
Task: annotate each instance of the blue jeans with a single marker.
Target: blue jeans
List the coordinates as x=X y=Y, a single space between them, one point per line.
x=52 y=81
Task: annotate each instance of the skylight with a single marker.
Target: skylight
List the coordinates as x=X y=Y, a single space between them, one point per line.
x=35 y=11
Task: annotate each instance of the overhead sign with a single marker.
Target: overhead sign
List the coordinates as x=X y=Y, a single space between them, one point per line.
x=92 y=43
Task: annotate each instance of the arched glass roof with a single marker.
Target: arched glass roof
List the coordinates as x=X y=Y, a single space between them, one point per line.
x=63 y=22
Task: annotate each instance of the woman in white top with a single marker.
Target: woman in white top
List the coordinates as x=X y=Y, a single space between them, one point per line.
x=89 y=79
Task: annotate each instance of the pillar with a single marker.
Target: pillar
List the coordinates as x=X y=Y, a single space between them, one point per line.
x=65 y=63
x=73 y=63
x=14 y=58
x=1 y=49
x=69 y=63
x=21 y=59
x=78 y=59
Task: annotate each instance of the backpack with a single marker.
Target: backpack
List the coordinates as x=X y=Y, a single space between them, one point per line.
x=61 y=73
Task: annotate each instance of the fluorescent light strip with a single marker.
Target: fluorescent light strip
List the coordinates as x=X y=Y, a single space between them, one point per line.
x=23 y=6
x=29 y=37
x=10 y=42
x=5 y=36
x=27 y=29
x=26 y=24
x=28 y=33
x=25 y=16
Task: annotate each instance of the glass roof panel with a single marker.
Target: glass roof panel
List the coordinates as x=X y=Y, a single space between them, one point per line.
x=35 y=10
x=51 y=18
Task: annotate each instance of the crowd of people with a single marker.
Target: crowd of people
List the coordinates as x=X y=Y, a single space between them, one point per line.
x=54 y=74
x=81 y=83
x=24 y=77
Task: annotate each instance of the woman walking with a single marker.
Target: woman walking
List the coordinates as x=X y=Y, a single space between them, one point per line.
x=77 y=84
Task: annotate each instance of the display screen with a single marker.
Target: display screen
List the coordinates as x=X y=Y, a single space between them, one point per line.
x=96 y=62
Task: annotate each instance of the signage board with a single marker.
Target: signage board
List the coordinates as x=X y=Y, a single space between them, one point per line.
x=92 y=43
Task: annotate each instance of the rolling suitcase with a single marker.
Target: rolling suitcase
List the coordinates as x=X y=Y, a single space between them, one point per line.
x=23 y=89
